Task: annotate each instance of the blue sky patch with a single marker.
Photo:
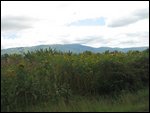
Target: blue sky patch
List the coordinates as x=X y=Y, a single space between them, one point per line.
x=10 y=35
x=89 y=22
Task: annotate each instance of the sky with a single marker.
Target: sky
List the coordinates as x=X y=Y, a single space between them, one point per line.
x=92 y=23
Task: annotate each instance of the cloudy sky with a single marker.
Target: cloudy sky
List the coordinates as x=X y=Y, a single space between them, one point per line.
x=92 y=23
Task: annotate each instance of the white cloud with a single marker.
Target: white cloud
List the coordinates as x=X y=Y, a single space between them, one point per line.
x=130 y=19
x=52 y=18
x=13 y=23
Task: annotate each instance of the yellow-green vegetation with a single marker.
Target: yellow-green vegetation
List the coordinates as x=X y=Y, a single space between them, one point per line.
x=48 y=80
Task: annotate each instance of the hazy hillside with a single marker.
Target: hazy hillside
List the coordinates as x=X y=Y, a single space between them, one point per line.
x=75 y=48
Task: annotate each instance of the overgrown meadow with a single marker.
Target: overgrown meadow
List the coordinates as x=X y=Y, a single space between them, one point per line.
x=54 y=77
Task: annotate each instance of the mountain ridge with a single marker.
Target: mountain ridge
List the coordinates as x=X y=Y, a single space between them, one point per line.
x=75 y=48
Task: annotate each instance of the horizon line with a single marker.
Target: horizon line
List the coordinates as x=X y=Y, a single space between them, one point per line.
x=71 y=44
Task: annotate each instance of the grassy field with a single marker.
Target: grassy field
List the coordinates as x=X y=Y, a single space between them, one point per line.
x=47 y=80
x=126 y=101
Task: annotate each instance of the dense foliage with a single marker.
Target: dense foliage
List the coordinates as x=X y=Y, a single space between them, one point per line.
x=47 y=74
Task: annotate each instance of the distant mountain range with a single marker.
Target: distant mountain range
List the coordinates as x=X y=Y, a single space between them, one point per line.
x=75 y=48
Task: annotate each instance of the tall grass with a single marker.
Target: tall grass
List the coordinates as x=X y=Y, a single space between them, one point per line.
x=126 y=101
